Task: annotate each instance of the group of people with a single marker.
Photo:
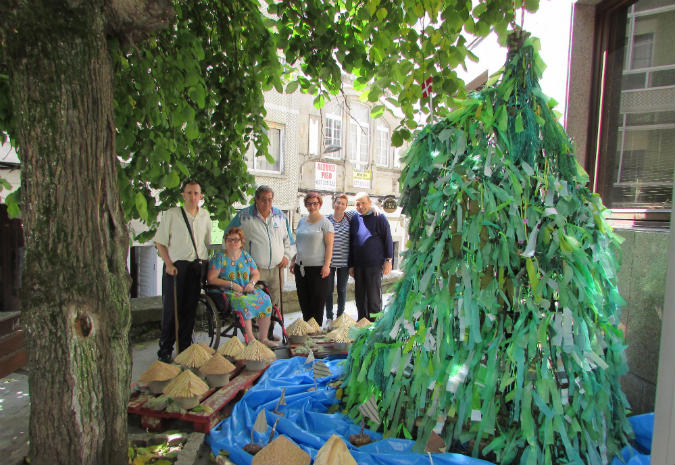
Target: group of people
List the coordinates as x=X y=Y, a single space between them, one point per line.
x=258 y=244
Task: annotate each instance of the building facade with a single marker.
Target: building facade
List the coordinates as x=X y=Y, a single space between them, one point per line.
x=339 y=148
x=621 y=114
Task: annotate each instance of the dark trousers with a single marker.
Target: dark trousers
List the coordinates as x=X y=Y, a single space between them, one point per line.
x=187 y=292
x=342 y=277
x=368 y=291
x=312 y=290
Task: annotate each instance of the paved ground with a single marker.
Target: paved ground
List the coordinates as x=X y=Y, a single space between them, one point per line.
x=15 y=401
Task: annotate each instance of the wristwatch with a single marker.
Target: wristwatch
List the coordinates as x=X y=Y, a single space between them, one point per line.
x=388 y=260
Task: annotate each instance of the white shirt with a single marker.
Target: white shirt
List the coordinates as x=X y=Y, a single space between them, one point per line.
x=310 y=241
x=173 y=234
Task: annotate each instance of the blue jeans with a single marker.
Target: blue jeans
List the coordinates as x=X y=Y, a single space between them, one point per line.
x=342 y=277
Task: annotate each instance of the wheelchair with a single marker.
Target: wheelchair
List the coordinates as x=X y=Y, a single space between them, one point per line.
x=215 y=318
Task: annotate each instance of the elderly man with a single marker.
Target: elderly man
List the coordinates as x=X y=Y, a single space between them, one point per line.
x=269 y=240
x=182 y=237
x=371 y=251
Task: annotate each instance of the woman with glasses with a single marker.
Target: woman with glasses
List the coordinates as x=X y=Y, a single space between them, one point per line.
x=311 y=265
x=236 y=273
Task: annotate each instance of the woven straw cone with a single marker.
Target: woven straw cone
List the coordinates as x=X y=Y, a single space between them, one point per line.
x=231 y=348
x=281 y=451
x=314 y=326
x=159 y=371
x=187 y=384
x=256 y=351
x=335 y=451
x=193 y=357
x=217 y=365
x=298 y=328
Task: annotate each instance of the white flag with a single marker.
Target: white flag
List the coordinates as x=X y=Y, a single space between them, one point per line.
x=260 y=425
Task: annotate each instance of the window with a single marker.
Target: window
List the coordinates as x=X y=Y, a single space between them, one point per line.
x=635 y=156
x=359 y=135
x=275 y=133
x=382 y=153
x=333 y=135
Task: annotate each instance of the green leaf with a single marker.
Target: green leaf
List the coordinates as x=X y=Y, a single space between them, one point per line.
x=197 y=94
x=292 y=86
x=12 y=201
x=377 y=111
x=142 y=206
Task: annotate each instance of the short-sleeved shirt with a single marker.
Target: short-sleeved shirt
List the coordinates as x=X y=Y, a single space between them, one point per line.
x=174 y=234
x=254 y=305
x=309 y=239
x=341 y=241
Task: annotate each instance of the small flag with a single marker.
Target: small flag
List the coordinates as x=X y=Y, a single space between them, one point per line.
x=282 y=399
x=310 y=357
x=428 y=87
x=369 y=410
x=260 y=425
x=321 y=370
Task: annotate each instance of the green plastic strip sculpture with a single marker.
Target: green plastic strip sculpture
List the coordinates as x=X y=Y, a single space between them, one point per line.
x=503 y=335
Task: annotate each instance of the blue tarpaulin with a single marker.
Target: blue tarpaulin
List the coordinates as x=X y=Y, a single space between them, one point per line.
x=306 y=422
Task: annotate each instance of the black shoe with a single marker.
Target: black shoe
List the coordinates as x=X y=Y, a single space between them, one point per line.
x=165 y=358
x=272 y=337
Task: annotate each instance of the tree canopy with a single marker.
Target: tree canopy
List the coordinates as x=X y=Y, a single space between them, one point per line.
x=189 y=100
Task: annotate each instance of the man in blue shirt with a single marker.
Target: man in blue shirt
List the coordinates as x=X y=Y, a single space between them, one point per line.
x=371 y=251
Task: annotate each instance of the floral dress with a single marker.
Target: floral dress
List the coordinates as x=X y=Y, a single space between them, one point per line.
x=255 y=304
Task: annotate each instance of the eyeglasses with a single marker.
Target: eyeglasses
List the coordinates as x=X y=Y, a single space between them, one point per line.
x=233 y=239
x=311 y=203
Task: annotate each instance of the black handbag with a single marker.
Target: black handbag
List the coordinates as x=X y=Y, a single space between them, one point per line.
x=198 y=266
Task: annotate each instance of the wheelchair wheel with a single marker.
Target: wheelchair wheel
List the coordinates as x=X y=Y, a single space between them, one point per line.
x=207 y=323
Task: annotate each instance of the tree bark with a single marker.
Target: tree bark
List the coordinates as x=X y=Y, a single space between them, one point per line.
x=75 y=303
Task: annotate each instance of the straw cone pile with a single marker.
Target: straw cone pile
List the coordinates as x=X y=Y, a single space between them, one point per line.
x=314 y=326
x=186 y=385
x=343 y=320
x=256 y=351
x=334 y=451
x=209 y=349
x=193 y=357
x=340 y=334
x=159 y=371
x=231 y=348
x=363 y=322
x=217 y=365
x=281 y=451
x=298 y=328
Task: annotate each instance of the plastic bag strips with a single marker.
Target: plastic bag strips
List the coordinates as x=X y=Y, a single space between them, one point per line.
x=306 y=420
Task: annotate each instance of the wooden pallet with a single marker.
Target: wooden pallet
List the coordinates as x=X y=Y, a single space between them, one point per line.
x=214 y=399
x=321 y=350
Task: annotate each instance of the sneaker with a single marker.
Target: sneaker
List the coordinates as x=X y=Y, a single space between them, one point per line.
x=327 y=323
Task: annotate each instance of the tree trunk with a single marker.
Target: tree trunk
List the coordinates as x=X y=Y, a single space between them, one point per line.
x=75 y=303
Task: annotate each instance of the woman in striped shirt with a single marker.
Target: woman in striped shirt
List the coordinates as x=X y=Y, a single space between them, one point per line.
x=338 y=265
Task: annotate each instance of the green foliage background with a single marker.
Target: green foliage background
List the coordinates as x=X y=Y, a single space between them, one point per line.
x=189 y=101
x=502 y=336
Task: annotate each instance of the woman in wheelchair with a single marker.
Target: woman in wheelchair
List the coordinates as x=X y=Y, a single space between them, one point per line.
x=236 y=273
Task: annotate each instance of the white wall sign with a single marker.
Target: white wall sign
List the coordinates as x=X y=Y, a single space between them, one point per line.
x=325 y=176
